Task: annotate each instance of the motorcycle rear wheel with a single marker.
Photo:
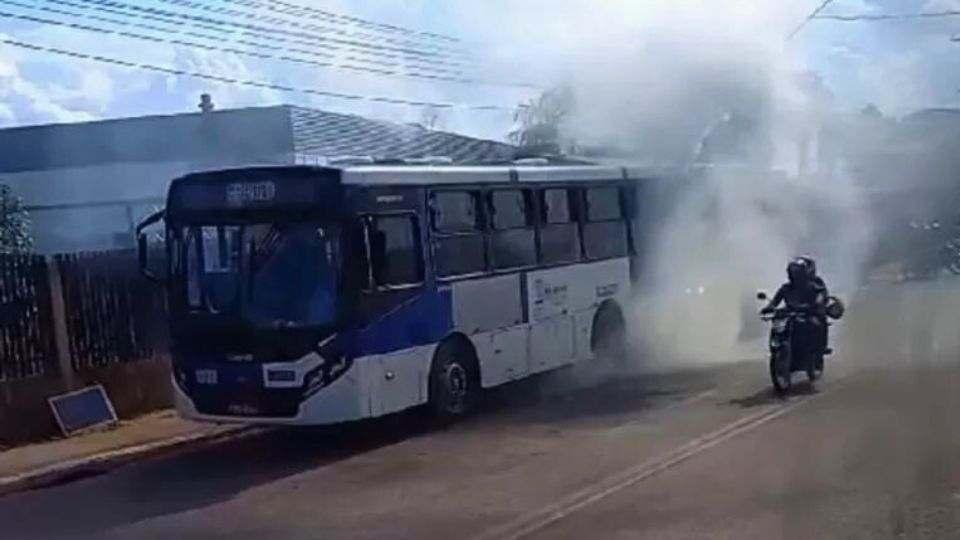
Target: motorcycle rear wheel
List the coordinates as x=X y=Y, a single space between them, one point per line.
x=815 y=370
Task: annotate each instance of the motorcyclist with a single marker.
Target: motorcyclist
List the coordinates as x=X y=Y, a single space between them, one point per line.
x=815 y=280
x=804 y=291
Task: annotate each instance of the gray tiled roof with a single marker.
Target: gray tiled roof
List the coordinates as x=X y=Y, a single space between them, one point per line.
x=329 y=134
x=255 y=134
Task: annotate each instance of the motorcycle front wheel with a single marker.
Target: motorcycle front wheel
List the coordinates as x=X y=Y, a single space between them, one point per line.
x=780 y=371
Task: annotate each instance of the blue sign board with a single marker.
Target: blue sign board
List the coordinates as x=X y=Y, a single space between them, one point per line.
x=82 y=409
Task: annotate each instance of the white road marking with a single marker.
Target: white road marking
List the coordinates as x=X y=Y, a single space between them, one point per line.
x=578 y=500
x=670 y=407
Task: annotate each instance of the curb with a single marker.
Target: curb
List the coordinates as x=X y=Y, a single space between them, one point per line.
x=97 y=464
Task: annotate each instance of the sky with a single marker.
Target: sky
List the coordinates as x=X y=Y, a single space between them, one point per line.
x=514 y=46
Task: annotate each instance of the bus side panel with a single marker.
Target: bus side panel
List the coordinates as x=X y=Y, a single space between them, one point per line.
x=395 y=349
x=398 y=380
x=551 y=343
x=599 y=281
x=502 y=354
x=343 y=401
x=571 y=294
x=490 y=312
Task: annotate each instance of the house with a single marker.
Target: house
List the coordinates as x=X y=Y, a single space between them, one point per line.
x=87 y=184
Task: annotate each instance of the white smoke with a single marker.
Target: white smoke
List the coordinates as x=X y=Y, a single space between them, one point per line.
x=652 y=91
x=730 y=235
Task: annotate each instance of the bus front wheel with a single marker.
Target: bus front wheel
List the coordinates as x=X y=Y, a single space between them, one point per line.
x=454 y=381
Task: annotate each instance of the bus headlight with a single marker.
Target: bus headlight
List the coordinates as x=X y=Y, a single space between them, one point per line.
x=325 y=373
x=281 y=375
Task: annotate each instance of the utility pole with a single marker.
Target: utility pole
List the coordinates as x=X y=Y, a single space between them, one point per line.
x=206 y=103
x=207 y=143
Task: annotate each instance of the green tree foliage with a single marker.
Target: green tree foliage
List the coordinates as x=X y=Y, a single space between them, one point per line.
x=14 y=223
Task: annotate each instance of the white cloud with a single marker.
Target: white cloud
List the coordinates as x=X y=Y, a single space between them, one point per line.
x=25 y=101
x=602 y=44
x=6 y=115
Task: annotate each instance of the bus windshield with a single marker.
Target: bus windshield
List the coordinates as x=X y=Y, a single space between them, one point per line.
x=271 y=275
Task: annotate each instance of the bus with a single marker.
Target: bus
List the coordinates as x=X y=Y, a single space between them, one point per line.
x=318 y=295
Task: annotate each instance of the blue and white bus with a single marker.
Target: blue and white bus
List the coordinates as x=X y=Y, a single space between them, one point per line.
x=317 y=295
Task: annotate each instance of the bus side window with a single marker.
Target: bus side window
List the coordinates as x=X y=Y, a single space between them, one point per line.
x=559 y=232
x=393 y=248
x=379 y=262
x=457 y=231
x=455 y=211
x=356 y=255
x=513 y=237
x=604 y=230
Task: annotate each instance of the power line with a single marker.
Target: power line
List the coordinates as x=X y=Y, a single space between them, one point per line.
x=258 y=55
x=297 y=22
x=355 y=20
x=171 y=17
x=226 y=27
x=267 y=85
x=891 y=16
x=810 y=17
x=76 y=26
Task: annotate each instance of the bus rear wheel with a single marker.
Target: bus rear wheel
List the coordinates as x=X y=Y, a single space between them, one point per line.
x=454 y=382
x=608 y=338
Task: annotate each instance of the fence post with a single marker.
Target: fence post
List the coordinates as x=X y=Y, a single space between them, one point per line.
x=59 y=315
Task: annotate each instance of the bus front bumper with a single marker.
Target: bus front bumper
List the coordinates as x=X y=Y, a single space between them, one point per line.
x=341 y=401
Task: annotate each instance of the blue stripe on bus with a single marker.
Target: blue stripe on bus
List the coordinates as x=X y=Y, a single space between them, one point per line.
x=422 y=320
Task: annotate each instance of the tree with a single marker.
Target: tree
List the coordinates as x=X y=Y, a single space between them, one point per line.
x=14 y=223
x=539 y=121
x=871 y=111
x=737 y=138
x=431 y=118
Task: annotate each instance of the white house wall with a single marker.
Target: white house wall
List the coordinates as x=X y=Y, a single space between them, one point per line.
x=96 y=227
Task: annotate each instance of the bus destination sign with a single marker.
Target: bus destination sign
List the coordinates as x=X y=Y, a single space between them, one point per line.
x=244 y=193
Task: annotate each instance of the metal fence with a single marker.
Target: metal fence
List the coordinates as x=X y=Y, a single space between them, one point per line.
x=27 y=347
x=111 y=314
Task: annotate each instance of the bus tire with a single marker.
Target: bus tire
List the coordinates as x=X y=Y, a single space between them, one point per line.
x=454 y=380
x=608 y=335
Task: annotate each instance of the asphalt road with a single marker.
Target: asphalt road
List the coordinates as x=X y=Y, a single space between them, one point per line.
x=871 y=452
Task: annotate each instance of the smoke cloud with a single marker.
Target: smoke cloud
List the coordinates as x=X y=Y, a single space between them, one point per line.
x=690 y=83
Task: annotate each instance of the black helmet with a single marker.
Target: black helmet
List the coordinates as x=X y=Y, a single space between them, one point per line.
x=797 y=271
x=811 y=264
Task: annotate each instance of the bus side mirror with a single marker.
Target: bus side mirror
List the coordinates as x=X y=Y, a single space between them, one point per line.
x=143 y=248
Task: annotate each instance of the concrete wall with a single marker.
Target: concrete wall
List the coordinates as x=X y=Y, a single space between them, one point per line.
x=134 y=388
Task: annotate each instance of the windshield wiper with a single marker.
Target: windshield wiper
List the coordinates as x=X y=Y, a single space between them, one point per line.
x=267 y=248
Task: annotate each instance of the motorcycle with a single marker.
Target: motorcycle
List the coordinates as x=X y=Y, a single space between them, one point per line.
x=789 y=353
